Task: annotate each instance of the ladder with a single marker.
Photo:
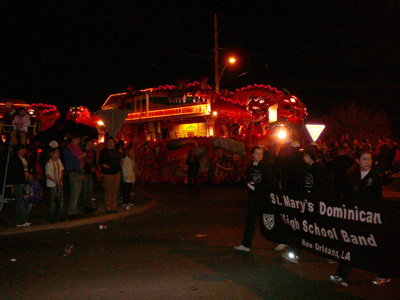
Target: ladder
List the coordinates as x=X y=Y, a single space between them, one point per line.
x=3 y=199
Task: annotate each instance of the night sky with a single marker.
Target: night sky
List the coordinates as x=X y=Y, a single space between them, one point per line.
x=79 y=52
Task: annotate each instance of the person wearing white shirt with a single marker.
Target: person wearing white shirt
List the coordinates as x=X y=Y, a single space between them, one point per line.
x=128 y=176
x=55 y=196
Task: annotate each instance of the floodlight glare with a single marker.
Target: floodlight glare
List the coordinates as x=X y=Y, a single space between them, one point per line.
x=281 y=134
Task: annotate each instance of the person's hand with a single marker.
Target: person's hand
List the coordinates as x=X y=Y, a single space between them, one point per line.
x=251 y=186
x=106 y=166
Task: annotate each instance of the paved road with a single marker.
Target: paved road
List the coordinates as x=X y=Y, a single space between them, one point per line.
x=182 y=248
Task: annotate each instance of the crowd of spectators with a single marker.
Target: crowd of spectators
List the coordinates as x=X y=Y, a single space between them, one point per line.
x=75 y=163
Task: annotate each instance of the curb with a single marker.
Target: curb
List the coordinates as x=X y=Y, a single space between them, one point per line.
x=75 y=223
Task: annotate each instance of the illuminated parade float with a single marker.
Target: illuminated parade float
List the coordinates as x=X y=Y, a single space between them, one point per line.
x=43 y=116
x=164 y=123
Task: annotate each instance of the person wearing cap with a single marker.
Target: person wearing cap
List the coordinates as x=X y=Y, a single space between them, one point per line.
x=55 y=195
x=53 y=144
x=20 y=126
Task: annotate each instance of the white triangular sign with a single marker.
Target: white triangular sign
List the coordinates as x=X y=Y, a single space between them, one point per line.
x=315 y=130
x=113 y=120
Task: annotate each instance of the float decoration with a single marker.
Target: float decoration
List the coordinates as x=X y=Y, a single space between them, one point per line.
x=47 y=114
x=81 y=115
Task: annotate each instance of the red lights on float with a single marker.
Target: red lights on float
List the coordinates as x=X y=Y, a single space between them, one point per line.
x=81 y=115
x=47 y=114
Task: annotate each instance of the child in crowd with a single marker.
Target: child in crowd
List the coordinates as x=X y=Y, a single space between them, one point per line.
x=128 y=176
x=55 y=197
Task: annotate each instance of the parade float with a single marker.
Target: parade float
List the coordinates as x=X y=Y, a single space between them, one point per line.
x=165 y=122
x=82 y=115
x=43 y=116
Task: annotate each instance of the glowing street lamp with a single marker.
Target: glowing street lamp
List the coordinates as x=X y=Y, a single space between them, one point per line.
x=231 y=60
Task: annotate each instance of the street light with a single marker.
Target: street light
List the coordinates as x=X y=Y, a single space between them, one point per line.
x=216 y=59
x=231 y=60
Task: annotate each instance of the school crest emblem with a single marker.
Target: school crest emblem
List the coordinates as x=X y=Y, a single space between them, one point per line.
x=269 y=221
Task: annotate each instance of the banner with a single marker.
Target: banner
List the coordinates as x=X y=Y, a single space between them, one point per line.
x=364 y=233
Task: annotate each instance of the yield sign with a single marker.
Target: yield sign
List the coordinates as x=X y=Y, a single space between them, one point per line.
x=113 y=120
x=315 y=130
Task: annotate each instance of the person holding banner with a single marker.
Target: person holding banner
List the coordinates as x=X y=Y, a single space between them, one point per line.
x=316 y=183
x=260 y=181
x=365 y=184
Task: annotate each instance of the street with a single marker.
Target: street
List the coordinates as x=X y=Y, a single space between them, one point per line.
x=182 y=248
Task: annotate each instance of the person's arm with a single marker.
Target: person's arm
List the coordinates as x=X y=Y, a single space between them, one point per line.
x=94 y=162
x=26 y=120
x=126 y=168
x=49 y=170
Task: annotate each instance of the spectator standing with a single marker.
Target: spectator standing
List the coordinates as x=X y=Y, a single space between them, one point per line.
x=128 y=176
x=120 y=147
x=111 y=168
x=88 y=177
x=396 y=160
x=19 y=175
x=20 y=126
x=55 y=194
x=384 y=157
x=74 y=160
x=193 y=164
x=378 y=147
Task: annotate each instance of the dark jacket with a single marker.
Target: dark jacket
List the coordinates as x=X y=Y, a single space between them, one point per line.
x=263 y=177
x=368 y=188
x=317 y=181
x=71 y=162
x=337 y=167
x=16 y=173
x=111 y=158
x=193 y=164
x=93 y=164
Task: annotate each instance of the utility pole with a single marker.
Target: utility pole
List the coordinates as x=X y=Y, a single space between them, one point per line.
x=216 y=54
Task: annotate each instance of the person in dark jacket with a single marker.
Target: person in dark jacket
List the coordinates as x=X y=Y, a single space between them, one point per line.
x=111 y=168
x=338 y=167
x=317 y=183
x=193 y=164
x=365 y=184
x=19 y=174
x=261 y=180
x=89 y=170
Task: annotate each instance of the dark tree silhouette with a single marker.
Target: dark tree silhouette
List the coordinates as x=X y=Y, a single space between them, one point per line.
x=359 y=122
